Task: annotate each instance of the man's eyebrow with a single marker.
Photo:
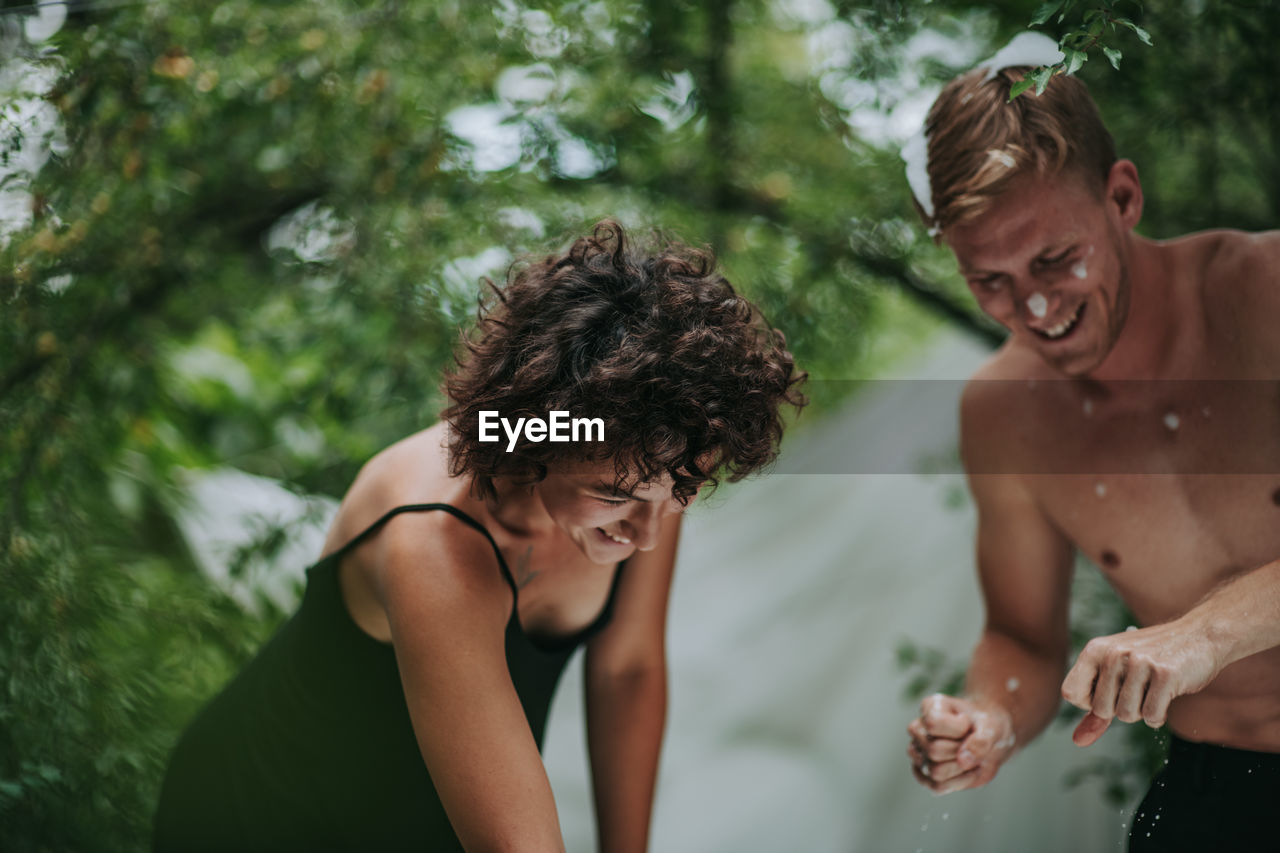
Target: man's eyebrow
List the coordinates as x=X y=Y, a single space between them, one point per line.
x=1058 y=247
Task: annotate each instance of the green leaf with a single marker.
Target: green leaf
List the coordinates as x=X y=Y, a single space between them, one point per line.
x=1021 y=86
x=1142 y=34
x=1073 y=60
x=1113 y=55
x=1041 y=78
x=1045 y=11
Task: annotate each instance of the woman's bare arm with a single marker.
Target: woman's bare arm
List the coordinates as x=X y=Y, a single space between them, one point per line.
x=626 y=693
x=448 y=608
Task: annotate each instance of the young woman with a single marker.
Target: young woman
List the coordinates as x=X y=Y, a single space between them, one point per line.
x=403 y=706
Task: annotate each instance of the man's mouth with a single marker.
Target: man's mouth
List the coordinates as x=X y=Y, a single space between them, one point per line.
x=1064 y=327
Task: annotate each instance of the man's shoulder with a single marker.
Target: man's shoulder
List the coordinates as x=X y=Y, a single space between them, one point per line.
x=1239 y=288
x=1008 y=367
x=1241 y=263
x=998 y=408
x=1230 y=254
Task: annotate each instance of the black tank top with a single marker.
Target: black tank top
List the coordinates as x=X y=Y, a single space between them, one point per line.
x=311 y=746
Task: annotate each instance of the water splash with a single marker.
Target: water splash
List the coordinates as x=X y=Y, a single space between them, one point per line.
x=1038 y=305
x=1081 y=267
x=1004 y=157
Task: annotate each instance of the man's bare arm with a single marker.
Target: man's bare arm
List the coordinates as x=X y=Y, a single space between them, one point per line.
x=1136 y=674
x=1012 y=688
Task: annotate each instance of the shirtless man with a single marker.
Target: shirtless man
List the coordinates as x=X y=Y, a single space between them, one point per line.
x=1112 y=421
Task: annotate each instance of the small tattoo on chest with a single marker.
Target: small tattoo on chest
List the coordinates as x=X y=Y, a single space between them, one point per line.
x=522 y=572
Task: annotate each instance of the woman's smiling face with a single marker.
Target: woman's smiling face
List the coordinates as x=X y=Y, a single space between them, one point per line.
x=607 y=525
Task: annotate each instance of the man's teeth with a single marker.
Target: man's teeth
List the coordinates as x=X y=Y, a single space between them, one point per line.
x=620 y=540
x=1061 y=328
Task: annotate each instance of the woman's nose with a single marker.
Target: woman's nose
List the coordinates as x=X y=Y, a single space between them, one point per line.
x=645 y=524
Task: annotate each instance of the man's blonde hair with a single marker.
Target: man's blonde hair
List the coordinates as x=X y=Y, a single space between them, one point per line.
x=980 y=141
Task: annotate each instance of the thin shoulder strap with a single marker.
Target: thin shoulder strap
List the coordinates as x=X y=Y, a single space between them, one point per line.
x=452 y=510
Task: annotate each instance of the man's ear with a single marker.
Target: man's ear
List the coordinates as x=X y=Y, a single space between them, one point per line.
x=1124 y=193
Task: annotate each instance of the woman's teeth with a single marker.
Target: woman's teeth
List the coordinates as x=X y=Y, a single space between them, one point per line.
x=1065 y=326
x=620 y=540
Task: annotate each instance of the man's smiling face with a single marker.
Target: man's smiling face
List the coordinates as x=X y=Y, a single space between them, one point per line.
x=1047 y=262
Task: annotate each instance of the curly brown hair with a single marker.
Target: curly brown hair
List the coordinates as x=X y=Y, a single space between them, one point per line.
x=687 y=375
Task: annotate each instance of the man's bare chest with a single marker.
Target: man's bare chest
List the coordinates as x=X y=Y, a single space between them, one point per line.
x=1169 y=488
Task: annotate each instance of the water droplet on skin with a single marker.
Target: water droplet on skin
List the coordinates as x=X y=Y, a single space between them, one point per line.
x=1038 y=305
x=1171 y=421
x=1205 y=411
x=1100 y=490
x=1080 y=270
x=1132 y=628
x=1088 y=407
x=1012 y=685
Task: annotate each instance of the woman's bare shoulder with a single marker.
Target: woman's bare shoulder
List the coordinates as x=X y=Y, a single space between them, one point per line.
x=414 y=470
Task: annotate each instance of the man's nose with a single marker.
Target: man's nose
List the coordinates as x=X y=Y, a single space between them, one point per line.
x=1036 y=299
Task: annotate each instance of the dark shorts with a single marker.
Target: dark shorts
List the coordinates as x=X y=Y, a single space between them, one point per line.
x=1210 y=798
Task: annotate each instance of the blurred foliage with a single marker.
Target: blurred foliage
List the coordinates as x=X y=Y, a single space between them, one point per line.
x=253 y=230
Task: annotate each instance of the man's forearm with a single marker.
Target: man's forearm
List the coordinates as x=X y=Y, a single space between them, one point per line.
x=626 y=714
x=1023 y=681
x=1242 y=616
